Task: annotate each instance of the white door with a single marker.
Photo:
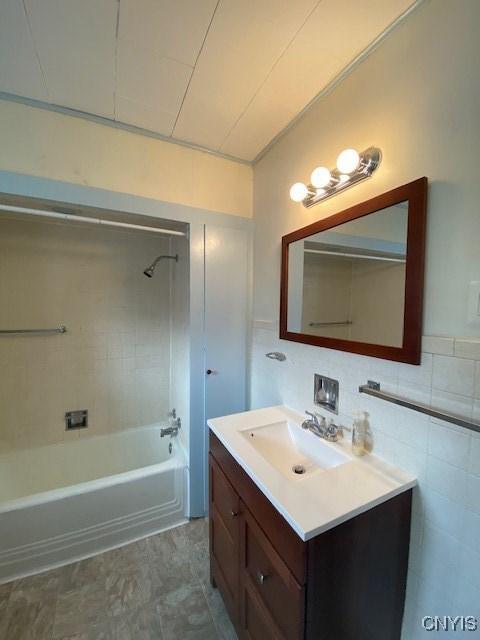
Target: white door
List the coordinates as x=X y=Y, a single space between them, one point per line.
x=226 y=309
x=227 y=258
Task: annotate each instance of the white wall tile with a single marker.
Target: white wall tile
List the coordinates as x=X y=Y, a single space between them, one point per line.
x=444 y=514
x=449 y=443
x=471 y=531
x=454 y=375
x=467 y=348
x=446 y=479
x=473 y=493
x=438 y=344
x=452 y=403
x=477 y=380
x=92 y=281
x=417 y=374
x=474 y=463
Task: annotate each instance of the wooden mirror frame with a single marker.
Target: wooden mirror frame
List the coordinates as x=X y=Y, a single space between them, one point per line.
x=410 y=351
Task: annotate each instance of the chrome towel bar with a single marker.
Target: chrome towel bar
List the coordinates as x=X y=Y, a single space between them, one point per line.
x=329 y=324
x=13 y=332
x=373 y=389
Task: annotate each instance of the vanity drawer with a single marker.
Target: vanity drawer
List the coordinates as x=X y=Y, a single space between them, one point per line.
x=224 y=539
x=279 y=532
x=224 y=498
x=258 y=623
x=264 y=571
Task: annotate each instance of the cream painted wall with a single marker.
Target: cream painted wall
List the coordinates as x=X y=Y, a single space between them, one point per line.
x=377 y=302
x=52 y=145
x=418 y=98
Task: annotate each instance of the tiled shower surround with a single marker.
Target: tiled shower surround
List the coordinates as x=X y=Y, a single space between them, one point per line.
x=114 y=359
x=444 y=574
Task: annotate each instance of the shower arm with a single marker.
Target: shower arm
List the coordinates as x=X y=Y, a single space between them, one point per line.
x=157 y=260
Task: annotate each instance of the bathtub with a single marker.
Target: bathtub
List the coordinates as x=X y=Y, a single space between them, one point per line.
x=63 y=502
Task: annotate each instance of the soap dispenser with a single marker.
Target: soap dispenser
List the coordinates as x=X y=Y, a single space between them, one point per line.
x=359 y=433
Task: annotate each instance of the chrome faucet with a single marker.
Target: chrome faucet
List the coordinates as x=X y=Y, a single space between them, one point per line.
x=319 y=428
x=331 y=432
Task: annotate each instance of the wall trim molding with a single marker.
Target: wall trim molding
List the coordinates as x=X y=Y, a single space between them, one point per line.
x=115 y=124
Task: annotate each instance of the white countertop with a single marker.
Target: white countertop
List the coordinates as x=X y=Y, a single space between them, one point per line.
x=319 y=501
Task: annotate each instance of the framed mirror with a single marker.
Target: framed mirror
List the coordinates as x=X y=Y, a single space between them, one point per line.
x=354 y=281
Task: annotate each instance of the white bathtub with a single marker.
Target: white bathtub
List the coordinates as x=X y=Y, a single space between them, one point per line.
x=63 y=502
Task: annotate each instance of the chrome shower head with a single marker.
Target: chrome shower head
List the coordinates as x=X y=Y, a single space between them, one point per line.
x=149 y=271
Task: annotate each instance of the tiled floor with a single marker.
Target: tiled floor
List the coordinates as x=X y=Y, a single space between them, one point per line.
x=154 y=589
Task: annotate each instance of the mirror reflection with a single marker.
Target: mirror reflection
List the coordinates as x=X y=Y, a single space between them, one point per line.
x=349 y=282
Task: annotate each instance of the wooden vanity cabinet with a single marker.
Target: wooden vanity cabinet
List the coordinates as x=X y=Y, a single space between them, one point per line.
x=346 y=584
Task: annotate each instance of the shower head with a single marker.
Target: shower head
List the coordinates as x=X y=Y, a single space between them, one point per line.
x=149 y=271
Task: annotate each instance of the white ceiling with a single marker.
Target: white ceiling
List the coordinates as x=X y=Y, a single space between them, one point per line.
x=228 y=75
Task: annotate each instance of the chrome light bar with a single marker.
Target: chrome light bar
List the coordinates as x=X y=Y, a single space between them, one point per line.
x=365 y=164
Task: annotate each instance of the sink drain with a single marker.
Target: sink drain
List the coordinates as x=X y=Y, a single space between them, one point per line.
x=299 y=469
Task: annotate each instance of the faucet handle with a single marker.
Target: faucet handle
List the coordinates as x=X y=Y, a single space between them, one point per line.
x=314 y=417
x=320 y=420
x=172 y=414
x=336 y=430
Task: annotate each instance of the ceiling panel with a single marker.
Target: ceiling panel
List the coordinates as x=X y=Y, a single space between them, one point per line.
x=76 y=44
x=172 y=28
x=149 y=79
x=20 y=71
x=228 y=75
x=143 y=116
x=245 y=40
x=336 y=32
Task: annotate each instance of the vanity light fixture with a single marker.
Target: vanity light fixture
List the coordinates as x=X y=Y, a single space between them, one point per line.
x=352 y=167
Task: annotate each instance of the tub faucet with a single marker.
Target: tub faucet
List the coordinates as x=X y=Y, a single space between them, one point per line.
x=171 y=430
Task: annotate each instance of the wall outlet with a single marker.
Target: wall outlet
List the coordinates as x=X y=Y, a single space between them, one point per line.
x=473 y=317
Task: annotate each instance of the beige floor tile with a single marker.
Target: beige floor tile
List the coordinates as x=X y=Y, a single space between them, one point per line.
x=80 y=608
x=153 y=589
x=29 y=620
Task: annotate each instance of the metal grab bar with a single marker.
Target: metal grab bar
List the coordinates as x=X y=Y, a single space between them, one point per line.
x=13 y=332
x=373 y=389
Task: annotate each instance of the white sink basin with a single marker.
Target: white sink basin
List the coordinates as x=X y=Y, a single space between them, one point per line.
x=293 y=451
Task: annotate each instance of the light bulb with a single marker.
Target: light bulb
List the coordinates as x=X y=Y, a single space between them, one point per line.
x=348 y=161
x=298 y=192
x=320 y=177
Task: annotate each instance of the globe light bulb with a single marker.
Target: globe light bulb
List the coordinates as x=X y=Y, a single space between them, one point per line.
x=348 y=161
x=320 y=177
x=298 y=192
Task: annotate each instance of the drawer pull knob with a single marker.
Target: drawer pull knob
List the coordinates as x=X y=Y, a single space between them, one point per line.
x=233 y=513
x=261 y=577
